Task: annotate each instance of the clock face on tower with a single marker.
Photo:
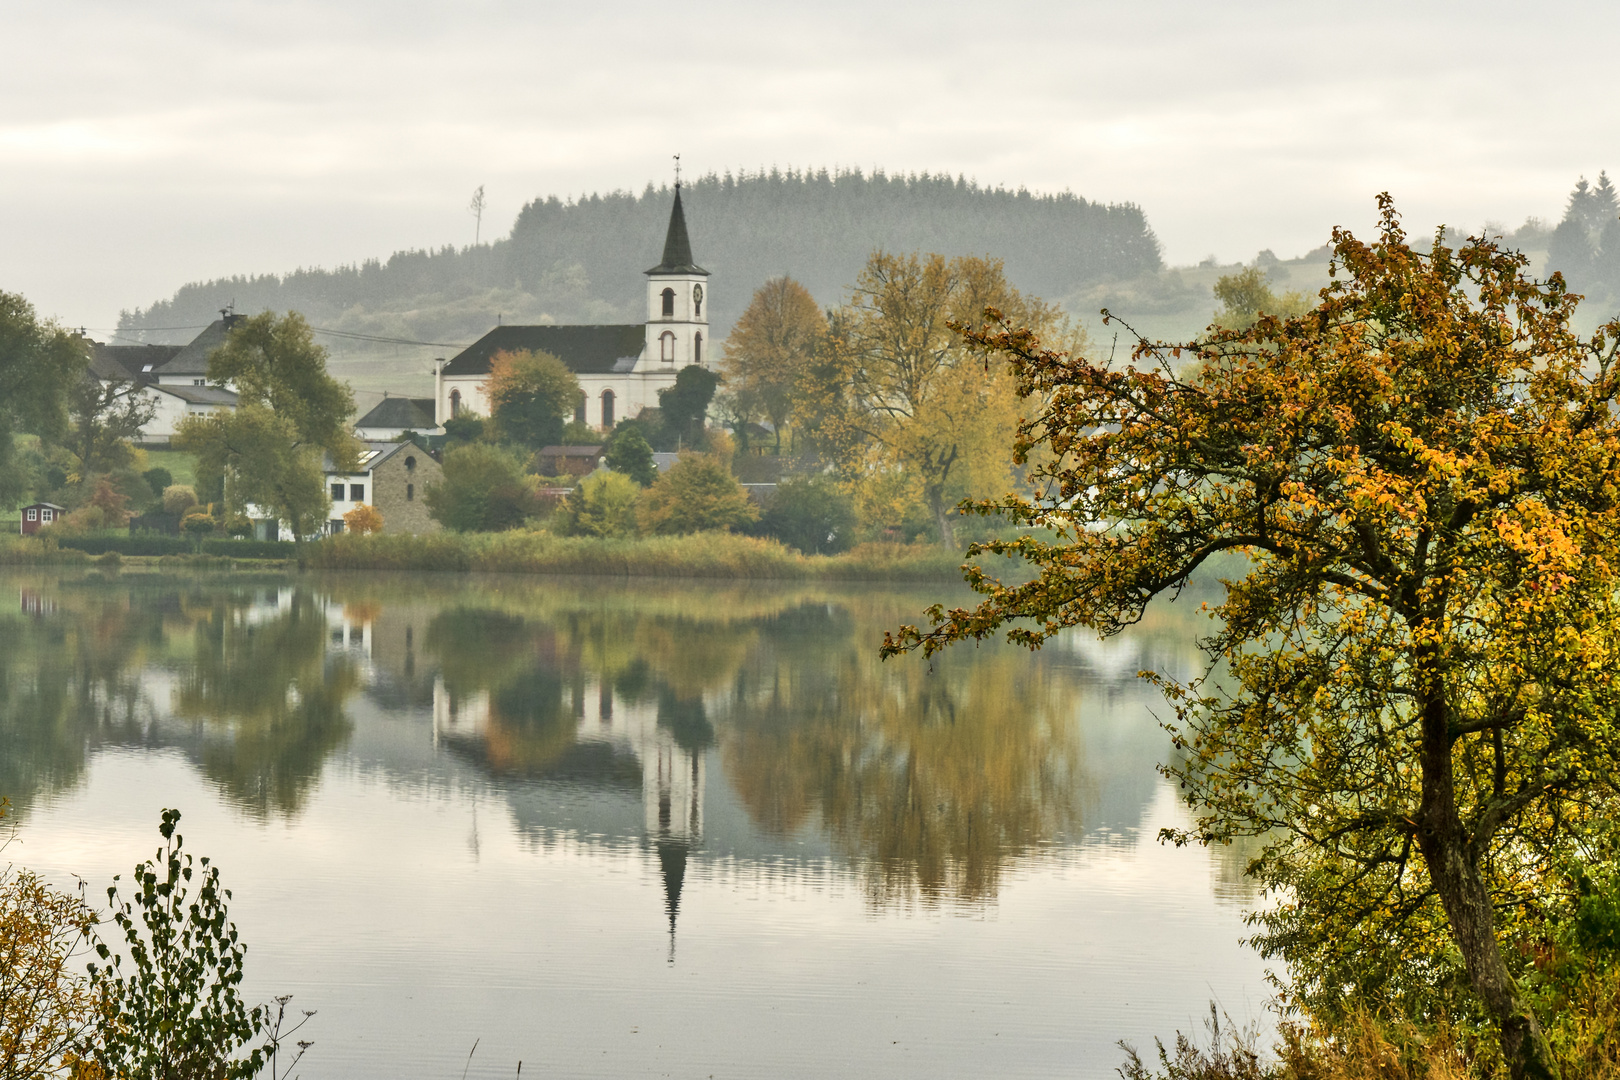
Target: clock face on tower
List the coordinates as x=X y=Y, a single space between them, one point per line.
x=697 y=300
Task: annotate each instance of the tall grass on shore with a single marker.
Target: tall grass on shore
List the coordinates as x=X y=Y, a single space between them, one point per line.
x=699 y=555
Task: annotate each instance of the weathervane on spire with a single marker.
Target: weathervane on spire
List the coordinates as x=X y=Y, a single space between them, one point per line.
x=677 y=171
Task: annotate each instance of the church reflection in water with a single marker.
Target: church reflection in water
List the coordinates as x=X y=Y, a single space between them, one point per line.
x=718 y=731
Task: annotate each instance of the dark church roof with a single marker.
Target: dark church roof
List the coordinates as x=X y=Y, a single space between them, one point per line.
x=400 y=412
x=587 y=350
x=677 y=245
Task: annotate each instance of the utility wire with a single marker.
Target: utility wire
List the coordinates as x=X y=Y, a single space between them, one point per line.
x=346 y=334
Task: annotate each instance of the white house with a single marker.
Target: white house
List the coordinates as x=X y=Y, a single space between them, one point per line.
x=394 y=416
x=621 y=368
x=173 y=379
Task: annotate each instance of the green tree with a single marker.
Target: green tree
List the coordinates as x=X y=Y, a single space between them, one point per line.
x=39 y=364
x=811 y=513
x=602 y=504
x=158 y=479
x=629 y=453
x=103 y=415
x=1246 y=295
x=770 y=349
x=1422 y=653
x=684 y=406
x=292 y=418
x=484 y=490
x=176 y=1012
x=697 y=494
x=532 y=396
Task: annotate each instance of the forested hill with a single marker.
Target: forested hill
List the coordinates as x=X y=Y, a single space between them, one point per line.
x=581 y=261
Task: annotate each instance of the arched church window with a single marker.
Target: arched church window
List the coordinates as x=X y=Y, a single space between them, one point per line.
x=607 y=408
x=666 y=347
x=455 y=403
x=579 y=412
x=410 y=464
x=697 y=301
x=697 y=347
x=669 y=303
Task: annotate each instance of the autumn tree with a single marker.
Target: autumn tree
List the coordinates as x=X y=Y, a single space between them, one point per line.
x=697 y=494
x=46 y=1006
x=770 y=349
x=532 y=395
x=902 y=398
x=602 y=504
x=291 y=416
x=39 y=364
x=1416 y=723
x=363 y=520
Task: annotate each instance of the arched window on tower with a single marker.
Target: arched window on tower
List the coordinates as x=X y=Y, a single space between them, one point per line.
x=607 y=409
x=669 y=303
x=455 y=403
x=666 y=347
x=697 y=347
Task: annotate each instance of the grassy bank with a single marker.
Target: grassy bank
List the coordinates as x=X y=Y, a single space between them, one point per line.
x=702 y=555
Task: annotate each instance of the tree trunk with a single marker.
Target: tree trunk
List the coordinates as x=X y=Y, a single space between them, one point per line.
x=942 y=517
x=1453 y=865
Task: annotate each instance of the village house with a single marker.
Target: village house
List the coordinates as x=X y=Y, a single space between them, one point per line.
x=621 y=368
x=394 y=416
x=392 y=477
x=172 y=378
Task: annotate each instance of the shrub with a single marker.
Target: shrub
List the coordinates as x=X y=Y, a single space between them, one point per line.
x=697 y=494
x=197 y=524
x=178 y=498
x=159 y=480
x=364 y=520
x=484 y=490
x=177 y=1011
x=46 y=1007
x=603 y=504
x=812 y=514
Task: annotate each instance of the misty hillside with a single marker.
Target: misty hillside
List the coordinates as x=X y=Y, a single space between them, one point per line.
x=581 y=261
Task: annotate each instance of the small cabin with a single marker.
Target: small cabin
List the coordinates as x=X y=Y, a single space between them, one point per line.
x=38 y=515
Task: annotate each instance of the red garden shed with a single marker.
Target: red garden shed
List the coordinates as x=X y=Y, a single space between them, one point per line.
x=38 y=514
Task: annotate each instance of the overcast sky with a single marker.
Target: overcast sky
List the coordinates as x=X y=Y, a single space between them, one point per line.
x=146 y=145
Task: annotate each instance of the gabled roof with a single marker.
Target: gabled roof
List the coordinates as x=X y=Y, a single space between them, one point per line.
x=572 y=451
x=45 y=505
x=192 y=359
x=415 y=414
x=134 y=362
x=677 y=245
x=587 y=350
x=374 y=454
x=198 y=395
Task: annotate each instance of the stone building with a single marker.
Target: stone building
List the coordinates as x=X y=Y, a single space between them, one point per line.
x=392 y=477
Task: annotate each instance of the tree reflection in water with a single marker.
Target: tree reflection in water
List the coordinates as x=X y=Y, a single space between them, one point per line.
x=931 y=782
x=239 y=680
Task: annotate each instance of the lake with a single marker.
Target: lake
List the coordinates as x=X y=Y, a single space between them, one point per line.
x=626 y=829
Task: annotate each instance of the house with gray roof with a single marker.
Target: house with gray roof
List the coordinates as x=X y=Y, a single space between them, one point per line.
x=394 y=416
x=173 y=379
x=621 y=368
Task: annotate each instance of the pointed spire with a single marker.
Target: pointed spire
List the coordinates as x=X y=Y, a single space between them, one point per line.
x=672 y=861
x=677 y=245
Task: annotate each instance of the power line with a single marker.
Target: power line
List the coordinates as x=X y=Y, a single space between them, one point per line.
x=346 y=334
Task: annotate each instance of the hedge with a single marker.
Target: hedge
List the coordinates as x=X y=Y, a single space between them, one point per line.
x=174 y=545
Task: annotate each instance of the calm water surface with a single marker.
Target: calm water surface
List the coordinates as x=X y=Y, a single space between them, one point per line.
x=623 y=830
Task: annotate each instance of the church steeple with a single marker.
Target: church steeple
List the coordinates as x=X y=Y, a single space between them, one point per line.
x=677 y=312
x=677 y=244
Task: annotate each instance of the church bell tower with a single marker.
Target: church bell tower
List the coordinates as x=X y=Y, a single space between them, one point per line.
x=677 y=302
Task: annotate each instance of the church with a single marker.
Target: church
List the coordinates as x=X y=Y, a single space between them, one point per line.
x=620 y=368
